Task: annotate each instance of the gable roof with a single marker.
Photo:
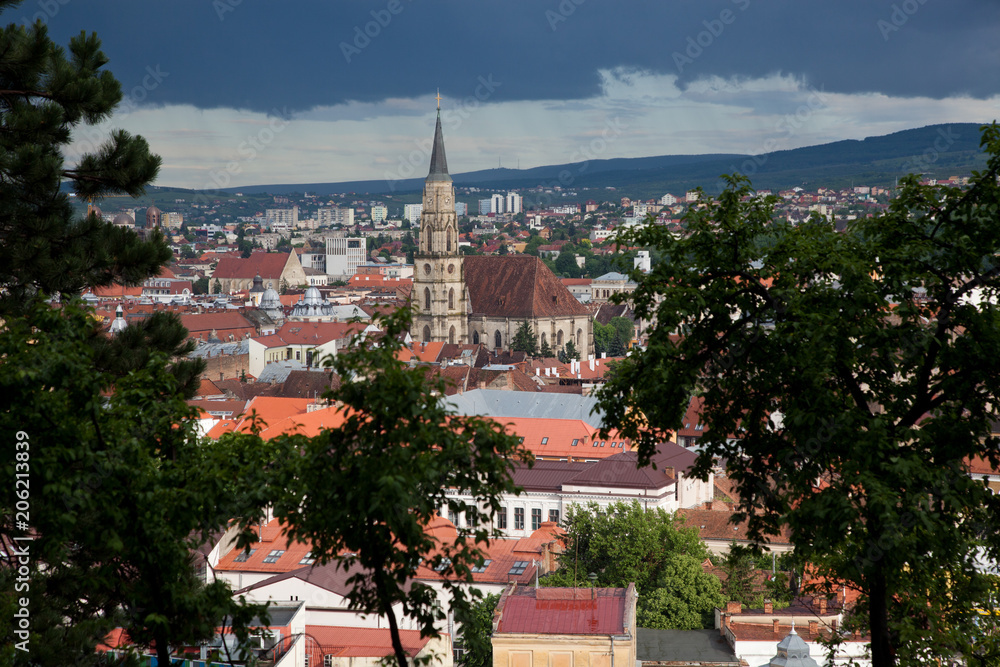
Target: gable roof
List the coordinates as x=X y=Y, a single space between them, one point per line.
x=270 y=266
x=516 y=286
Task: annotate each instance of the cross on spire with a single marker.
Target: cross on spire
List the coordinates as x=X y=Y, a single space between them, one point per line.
x=438 y=98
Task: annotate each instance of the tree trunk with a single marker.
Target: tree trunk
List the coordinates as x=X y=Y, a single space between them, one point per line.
x=397 y=644
x=162 y=650
x=882 y=651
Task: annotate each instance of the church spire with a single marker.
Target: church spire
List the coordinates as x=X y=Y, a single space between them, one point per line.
x=439 y=163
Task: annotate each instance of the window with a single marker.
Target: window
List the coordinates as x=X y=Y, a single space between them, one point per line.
x=443 y=565
x=518 y=518
x=242 y=558
x=596 y=443
x=427 y=298
x=520 y=440
x=273 y=556
x=576 y=441
x=453 y=517
x=308 y=559
x=502 y=518
x=482 y=568
x=545 y=441
x=554 y=516
x=518 y=568
x=497 y=339
x=451 y=299
x=602 y=442
x=327 y=661
x=536 y=519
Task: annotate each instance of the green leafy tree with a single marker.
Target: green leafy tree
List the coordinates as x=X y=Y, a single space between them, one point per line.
x=120 y=492
x=369 y=487
x=200 y=286
x=525 y=339
x=477 y=632
x=217 y=287
x=738 y=565
x=868 y=359
x=566 y=265
x=661 y=556
x=545 y=350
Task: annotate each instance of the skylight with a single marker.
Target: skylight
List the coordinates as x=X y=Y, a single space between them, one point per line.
x=308 y=559
x=545 y=441
x=518 y=568
x=576 y=441
x=274 y=556
x=242 y=558
x=440 y=567
x=482 y=568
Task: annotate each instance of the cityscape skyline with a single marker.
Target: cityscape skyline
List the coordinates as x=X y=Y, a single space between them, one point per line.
x=230 y=93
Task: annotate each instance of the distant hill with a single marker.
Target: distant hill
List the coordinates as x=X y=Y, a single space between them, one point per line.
x=937 y=150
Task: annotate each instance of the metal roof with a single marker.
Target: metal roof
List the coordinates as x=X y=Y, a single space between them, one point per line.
x=691 y=646
x=500 y=403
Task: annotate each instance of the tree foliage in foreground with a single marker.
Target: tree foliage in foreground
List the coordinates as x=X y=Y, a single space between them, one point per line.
x=627 y=543
x=362 y=493
x=867 y=359
x=45 y=93
x=477 y=632
x=117 y=491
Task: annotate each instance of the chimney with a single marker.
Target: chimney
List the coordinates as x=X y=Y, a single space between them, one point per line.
x=591 y=363
x=537 y=372
x=820 y=604
x=813 y=627
x=768 y=607
x=774 y=625
x=734 y=607
x=604 y=355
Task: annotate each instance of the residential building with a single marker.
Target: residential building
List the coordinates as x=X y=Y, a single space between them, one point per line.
x=278 y=219
x=497 y=204
x=485 y=206
x=333 y=217
x=379 y=213
x=304 y=342
x=565 y=627
x=412 y=212
x=461 y=208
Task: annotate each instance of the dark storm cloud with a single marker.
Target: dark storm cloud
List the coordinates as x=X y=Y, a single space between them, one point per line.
x=278 y=56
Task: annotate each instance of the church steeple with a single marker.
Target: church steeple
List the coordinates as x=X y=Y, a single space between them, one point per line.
x=439 y=275
x=439 y=163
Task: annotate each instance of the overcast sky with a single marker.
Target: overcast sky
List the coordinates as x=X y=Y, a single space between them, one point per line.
x=238 y=92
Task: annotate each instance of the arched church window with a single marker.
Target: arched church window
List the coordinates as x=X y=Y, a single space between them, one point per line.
x=451 y=299
x=427 y=334
x=543 y=339
x=559 y=338
x=427 y=298
x=427 y=240
x=579 y=339
x=475 y=338
x=448 y=239
x=497 y=340
x=451 y=335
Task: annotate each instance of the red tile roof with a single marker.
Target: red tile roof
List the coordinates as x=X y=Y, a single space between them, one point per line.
x=269 y=265
x=341 y=642
x=203 y=322
x=517 y=286
x=563 y=611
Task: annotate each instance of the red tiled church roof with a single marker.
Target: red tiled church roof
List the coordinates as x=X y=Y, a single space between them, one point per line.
x=517 y=286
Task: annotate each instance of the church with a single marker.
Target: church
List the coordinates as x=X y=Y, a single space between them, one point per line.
x=484 y=299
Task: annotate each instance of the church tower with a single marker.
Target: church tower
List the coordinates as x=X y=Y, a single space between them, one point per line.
x=440 y=310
